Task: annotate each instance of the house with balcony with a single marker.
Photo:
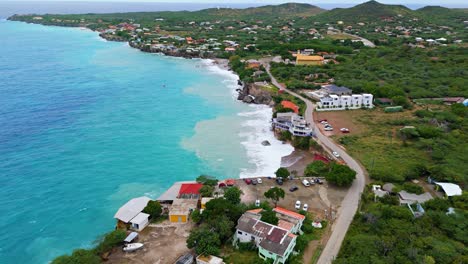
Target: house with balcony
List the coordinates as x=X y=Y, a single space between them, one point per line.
x=293 y=123
x=344 y=102
x=273 y=242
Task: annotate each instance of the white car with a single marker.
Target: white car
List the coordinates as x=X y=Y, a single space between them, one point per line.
x=257 y=203
x=306 y=183
x=324 y=123
x=336 y=154
x=259 y=180
x=328 y=129
x=305 y=207
x=298 y=205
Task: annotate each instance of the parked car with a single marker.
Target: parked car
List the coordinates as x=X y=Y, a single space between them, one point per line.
x=257 y=203
x=328 y=129
x=259 y=180
x=248 y=181
x=305 y=207
x=279 y=181
x=298 y=205
x=306 y=183
x=344 y=130
x=293 y=189
x=336 y=154
x=323 y=120
x=254 y=181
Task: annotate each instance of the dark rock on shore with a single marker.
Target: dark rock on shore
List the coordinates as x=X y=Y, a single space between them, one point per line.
x=254 y=94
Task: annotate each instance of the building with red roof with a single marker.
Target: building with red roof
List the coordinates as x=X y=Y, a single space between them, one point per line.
x=190 y=190
x=290 y=105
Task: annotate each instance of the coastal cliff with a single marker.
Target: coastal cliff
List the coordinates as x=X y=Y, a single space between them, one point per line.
x=252 y=93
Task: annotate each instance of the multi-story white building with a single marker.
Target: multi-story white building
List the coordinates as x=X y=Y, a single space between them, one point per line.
x=342 y=102
x=293 y=123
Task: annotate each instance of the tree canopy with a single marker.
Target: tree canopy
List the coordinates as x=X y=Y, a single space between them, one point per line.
x=275 y=194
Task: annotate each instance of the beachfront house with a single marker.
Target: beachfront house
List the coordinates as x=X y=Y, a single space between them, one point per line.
x=181 y=209
x=293 y=123
x=273 y=242
x=131 y=214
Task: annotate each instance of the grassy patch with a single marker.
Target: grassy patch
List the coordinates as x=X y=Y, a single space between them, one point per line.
x=234 y=256
x=316 y=255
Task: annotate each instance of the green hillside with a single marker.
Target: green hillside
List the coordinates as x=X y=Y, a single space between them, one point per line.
x=369 y=11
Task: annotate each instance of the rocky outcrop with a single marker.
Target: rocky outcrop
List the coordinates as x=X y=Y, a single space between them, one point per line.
x=254 y=94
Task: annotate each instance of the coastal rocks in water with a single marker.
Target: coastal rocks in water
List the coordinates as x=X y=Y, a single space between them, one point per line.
x=266 y=143
x=253 y=93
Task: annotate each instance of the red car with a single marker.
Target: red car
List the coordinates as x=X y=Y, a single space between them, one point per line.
x=344 y=130
x=248 y=181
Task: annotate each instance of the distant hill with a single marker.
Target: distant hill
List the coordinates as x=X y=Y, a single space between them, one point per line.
x=368 y=11
x=283 y=10
x=440 y=14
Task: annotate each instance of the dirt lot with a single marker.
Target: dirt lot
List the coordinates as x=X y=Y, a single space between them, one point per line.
x=318 y=197
x=164 y=243
x=340 y=119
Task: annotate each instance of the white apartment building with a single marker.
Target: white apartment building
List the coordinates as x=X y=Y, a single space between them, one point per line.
x=343 y=102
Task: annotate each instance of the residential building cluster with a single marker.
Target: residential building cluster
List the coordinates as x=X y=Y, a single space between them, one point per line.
x=332 y=97
x=275 y=242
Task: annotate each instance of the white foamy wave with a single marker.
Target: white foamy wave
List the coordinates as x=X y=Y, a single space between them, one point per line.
x=256 y=130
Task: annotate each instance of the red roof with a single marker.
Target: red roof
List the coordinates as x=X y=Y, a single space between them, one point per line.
x=290 y=105
x=321 y=158
x=190 y=188
x=289 y=213
x=230 y=182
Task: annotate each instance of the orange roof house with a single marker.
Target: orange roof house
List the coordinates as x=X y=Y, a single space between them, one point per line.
x=289 y=213
x=290 y=105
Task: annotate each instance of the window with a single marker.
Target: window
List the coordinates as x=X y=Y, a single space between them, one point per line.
x=239 y=232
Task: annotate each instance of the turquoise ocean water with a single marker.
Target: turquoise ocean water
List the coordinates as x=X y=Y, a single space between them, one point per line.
x=87 y=124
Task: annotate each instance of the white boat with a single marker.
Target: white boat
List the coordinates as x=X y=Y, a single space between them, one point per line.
x=132 y=247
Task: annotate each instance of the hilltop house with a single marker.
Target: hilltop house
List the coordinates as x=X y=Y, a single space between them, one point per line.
x=131 y=213
x=273 y=242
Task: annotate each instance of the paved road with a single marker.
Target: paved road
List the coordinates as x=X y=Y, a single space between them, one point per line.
x=350 y=202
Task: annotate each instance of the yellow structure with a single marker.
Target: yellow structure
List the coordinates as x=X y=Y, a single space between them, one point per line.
x=204 y=200
x=308 y=59
x=181 y=209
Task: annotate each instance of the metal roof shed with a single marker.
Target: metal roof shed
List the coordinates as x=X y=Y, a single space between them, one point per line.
x=450 y=189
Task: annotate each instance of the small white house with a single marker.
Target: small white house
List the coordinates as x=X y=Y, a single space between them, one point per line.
x=139 y=222
x=356 y=99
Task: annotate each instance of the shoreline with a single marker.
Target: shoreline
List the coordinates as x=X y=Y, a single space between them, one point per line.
x=222 y=65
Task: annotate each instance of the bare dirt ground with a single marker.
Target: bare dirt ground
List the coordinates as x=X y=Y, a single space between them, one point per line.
x=164 y=243
x=340 y=119
x=318 y=197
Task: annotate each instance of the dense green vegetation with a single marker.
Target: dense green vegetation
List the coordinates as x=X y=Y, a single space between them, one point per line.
x=388 y=72
x=388 y=233
x=340 y=175
x=92 y=256
x=433 y=143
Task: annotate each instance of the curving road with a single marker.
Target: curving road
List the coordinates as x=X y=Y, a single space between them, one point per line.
x=350 y=203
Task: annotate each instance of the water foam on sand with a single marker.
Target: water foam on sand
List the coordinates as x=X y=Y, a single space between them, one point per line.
x=255 y=128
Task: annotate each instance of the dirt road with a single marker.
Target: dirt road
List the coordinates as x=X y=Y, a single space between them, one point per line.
x=350 y=203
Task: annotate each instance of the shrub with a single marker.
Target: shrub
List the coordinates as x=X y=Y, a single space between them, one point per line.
x=110 y=240
x=153 y=208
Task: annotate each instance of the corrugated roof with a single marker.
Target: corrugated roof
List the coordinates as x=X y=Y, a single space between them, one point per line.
x=190 y=188
x=140 y=218
x=131 y=209
x=450 y=189
x=288 y=213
